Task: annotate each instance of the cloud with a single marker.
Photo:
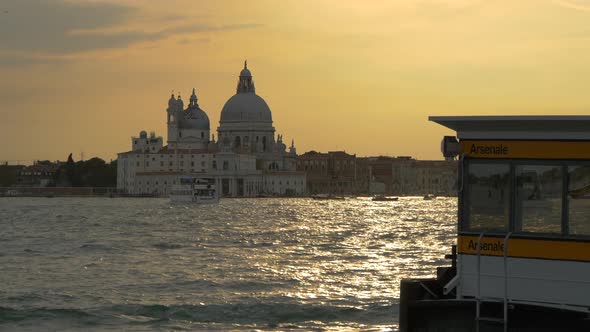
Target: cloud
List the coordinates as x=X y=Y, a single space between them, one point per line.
x=43 y=25
x=10 y=60
x=581 y=5
x=58 y=28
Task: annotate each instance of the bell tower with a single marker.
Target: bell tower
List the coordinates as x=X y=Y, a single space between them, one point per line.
x=173 y=119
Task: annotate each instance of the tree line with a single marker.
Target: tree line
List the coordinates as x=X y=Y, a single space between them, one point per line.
x=93 y=172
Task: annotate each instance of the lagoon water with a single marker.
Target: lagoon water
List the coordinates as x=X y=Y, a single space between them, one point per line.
x=100 y=264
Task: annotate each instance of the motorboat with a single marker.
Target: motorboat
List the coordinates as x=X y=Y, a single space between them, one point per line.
x=327 y=197
x=195 y=190
x=383 y=198
x=429 y=197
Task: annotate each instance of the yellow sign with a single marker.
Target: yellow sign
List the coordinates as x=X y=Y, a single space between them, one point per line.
x=526 y=149
x=526 y=248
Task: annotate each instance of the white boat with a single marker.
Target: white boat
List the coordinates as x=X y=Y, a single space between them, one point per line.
x=383 y=198
x=195 y=190
x=327 y=197
x=429 y=197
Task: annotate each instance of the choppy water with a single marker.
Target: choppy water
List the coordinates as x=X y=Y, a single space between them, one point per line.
x=245 y=264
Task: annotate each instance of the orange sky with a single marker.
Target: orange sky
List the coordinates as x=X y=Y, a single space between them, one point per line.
x=360 y=76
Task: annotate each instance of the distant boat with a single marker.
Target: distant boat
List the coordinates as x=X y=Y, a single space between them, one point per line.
x=195 y=190
x=383 y=198
x=11 y=192
x=327 y=197
x=429 y=197
x=580 y=193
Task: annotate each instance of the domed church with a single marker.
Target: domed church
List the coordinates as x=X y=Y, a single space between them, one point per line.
x=246 y=160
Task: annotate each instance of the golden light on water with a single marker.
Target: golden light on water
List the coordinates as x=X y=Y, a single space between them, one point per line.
x=245 y=264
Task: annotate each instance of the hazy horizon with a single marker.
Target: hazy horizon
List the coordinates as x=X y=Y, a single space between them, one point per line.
x=85 y=76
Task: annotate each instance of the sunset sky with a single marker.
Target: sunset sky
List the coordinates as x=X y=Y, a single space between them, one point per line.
x=359 y=76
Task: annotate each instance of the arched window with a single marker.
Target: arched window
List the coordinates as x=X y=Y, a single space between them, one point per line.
x=263 y=143
x=202 y=135
x=238 y=142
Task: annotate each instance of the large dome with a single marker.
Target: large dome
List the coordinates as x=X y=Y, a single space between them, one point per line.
x=246 y=107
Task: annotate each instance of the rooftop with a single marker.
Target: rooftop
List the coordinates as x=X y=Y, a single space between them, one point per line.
x=550 y=127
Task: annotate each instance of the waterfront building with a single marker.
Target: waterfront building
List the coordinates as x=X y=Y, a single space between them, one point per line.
x=246 y=160
x=40 y=174
x=421 y=177
x=333 y=172
x=338 y=172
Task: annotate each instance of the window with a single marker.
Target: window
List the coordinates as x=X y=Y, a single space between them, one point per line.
x=578 y=202
x=488 y=207
x=225 y=165
x=538 y=198
x=192 y=163
x=214 y=164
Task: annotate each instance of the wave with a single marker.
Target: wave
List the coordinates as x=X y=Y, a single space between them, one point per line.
x=234 y=313
x=15 y=315
x=166 y=245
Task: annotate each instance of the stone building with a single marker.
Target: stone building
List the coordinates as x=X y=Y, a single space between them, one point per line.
x=247 y=159
x=337 y=172
x=333 y=172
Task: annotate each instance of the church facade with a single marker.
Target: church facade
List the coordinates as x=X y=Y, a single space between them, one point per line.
x=247 y=159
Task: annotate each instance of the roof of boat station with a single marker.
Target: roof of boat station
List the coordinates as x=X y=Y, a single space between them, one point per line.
x=535 y=127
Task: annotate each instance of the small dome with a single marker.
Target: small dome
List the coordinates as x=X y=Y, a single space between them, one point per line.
x=245 y=73
x=143 y=134
x=246 y=107
x=172 y=101
x=179 y=102
x=194 y=118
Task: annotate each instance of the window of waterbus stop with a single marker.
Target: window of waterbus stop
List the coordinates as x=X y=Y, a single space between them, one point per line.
x=539 y=190
x=488 y=196
x=579 y=200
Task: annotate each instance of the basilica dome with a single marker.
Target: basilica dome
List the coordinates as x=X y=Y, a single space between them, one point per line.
x=246 y=105
x=194 y=117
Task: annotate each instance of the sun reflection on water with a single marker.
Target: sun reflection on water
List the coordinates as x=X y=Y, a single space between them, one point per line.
x=246 y=264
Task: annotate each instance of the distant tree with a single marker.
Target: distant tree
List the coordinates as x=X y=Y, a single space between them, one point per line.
x=8 y=175
x=94 y=172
